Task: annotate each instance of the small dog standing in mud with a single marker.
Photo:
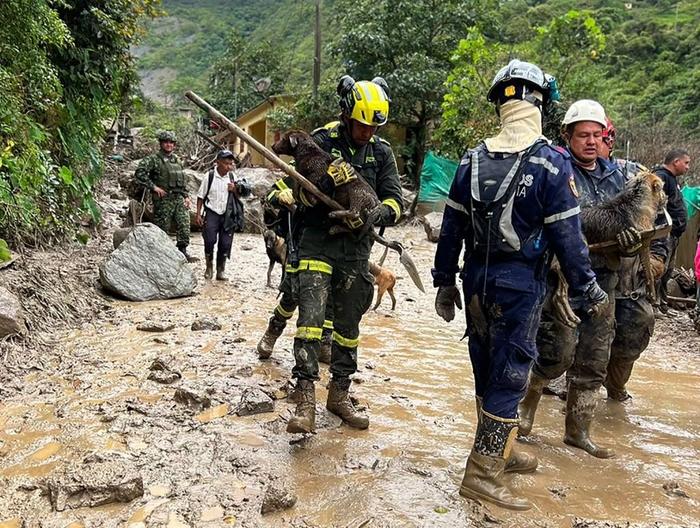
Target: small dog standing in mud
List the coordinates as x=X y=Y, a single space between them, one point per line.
x=385 y=281
x=276 y=249
x=334 y=178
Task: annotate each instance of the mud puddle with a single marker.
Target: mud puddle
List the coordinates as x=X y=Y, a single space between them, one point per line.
x=206 y=466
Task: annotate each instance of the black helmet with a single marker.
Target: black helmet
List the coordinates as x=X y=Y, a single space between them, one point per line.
x=518 y=80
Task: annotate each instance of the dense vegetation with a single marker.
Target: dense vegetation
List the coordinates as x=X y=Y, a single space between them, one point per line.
x=64 y=67
x=640 y=59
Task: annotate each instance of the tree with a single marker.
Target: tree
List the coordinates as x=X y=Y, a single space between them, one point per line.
x=409 y=43
x=232 y=85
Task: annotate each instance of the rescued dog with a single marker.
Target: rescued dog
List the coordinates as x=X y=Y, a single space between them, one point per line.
x=276 y=249
x=385 y=281
x=636 y=206
x=355 y=195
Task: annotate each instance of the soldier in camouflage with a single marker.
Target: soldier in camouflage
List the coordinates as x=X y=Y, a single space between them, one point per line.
x=163 y=175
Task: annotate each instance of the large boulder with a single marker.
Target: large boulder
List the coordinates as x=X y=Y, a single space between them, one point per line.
x=432 y=223
x=260 y=179
x=147 y=266
x=11 y=314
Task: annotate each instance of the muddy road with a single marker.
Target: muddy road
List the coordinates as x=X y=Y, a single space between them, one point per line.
x=201 y=464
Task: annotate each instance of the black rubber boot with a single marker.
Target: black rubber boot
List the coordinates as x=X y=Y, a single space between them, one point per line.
x=275 y=327
x=528 y=405
x=183 y=250
x=304 y=419
x=209 y=272
x=339 y=403
x=483 y=476
x=580 y=405
x=220 y=269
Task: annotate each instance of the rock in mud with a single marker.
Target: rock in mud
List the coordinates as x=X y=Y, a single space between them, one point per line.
x=672 y=488
x=147 y=266
x=206 y=323
x=162 y=371
x=11 y=314
x=254 y=401
x=188 y=397
x=277 y=497
x=93 y=482
x=119 y=236
x=154 y=326
x=432 y=222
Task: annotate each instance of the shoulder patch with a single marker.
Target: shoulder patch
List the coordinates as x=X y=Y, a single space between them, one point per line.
x=572 y=186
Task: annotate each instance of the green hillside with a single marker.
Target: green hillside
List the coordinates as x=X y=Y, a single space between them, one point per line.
x=193 y=36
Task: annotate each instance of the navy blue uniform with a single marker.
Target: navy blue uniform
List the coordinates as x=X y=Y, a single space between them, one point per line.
x=503 y=294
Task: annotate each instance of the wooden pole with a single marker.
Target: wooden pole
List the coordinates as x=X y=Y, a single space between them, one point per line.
x=263 y=150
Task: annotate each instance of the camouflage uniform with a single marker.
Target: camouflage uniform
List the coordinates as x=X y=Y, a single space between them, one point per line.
x=161 y=170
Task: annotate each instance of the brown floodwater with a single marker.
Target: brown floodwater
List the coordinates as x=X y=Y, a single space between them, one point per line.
x=416 y=380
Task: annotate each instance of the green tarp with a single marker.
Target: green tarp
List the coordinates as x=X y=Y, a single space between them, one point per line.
x=691 y=197
x=436 y=177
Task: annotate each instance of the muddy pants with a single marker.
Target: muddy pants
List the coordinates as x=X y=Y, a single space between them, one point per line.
x=214 y=232
x=582 y=352
x=288 y=304
x=349 y=287
x=502 y=327
x=634 y=327
x=172 y=208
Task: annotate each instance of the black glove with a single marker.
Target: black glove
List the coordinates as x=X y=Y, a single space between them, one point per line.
x=594 y=298
x=445 y=301
x=630 y=240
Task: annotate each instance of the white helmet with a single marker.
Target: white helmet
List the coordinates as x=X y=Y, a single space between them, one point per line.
x=585 y=110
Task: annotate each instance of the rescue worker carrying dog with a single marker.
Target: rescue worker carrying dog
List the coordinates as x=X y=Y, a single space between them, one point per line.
x=513 y=201
x=335 y=267
x=584 y=351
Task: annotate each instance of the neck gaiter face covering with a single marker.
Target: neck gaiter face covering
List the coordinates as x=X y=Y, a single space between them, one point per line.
x=521 y=126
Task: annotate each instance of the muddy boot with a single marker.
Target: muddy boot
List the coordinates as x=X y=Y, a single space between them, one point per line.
x=220 y=269
x=275 y=327
x=528 y=405
x=209 y=272
x=619 y=373
x=324 y=354
x=183 y=250
x=339 y=404
x=483 y=476
x=304 y=419
x=518 y=461
x=580 y=405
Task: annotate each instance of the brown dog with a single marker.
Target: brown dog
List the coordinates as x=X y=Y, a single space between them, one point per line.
x=276 y=250
x=385 y=281
x=355 y=195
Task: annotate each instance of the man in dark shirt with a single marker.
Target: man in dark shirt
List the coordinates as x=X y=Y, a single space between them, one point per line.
x=676 y=164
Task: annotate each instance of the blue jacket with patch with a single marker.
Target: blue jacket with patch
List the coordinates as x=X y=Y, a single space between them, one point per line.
x=544 y=216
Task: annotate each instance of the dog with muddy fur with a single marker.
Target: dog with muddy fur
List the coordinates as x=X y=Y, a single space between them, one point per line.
x=334 y=177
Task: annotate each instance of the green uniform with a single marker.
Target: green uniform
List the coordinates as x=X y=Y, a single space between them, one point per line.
x=161 y=170
x=335 y=268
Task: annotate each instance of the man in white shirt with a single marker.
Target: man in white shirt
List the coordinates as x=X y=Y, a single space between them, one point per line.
x=220 y=212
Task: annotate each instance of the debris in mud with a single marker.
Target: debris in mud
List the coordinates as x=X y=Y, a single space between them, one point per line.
x=254 y=401
x=93 y=482
x=155 y=326
x=588 y=523
x=559 y=491
x=191 y=399
x=11 y=314
x=162 y=371
x=277 y=497
x=206 y=323
x=432 y=222
x=672 y=488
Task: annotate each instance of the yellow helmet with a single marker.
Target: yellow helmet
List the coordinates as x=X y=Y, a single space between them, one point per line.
x=364 y=101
